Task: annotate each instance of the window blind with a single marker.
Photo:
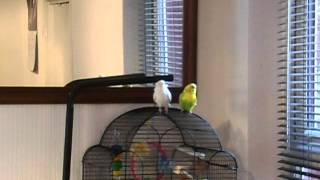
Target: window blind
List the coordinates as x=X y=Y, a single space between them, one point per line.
x=299 y=101
x=163 y=39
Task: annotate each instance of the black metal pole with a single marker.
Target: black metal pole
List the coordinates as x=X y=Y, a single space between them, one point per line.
x=68 y=139
x=76 y=85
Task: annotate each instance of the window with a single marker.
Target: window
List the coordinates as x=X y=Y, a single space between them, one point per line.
x=163 y=39
x=300 y=87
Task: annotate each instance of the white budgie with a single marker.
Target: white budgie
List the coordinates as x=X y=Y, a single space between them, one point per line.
x=162 y=96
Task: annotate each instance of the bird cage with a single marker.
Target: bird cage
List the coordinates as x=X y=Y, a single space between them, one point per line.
x=146 y=144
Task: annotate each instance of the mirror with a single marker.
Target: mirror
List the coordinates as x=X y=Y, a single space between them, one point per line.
x=74 y=39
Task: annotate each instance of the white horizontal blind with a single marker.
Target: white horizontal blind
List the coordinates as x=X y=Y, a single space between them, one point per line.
x=300 y=87
x=163 y=39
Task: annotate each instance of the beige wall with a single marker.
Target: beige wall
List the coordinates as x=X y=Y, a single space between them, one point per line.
x=14 y=67
x=93 y=28
x=57 y=38
x=13 y=43
x=97 y=38
x=237 y=79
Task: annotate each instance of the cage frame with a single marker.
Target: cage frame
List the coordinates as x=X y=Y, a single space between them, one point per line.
x=153 y=112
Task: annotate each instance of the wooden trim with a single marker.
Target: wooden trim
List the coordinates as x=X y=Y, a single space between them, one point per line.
x=33 y=95
x=58 y=95
x=190 y=41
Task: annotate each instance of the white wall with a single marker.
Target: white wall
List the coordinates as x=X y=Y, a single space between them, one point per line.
x=132 y=28
x=32 y=138
x=223 y=72
x=237 y=79
x=262 y=122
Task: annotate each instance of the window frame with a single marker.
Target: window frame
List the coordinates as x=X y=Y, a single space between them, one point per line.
x=58 y=95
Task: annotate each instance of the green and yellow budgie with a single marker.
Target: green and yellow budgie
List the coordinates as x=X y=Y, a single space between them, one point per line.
x=188 y=98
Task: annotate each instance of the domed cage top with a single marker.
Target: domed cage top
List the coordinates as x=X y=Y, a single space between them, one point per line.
x=146 y=144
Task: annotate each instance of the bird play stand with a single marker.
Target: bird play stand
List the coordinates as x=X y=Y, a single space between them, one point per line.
x=146 y=144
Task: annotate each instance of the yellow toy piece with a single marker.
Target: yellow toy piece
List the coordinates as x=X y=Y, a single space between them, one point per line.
x=117 y=173
x=141 y=149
